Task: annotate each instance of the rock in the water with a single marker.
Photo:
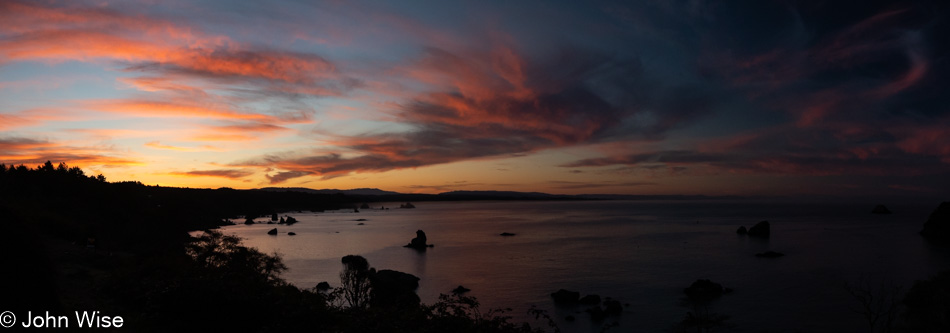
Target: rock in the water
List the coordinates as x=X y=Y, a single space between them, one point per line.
x=272 y=232
x=566 y=296
x=292 y=233
x=397 y=279
x=460 y=290
x=394 y=289
x=364 y=206
x=407 y=205
x=323 y=286
x=769 y=254
x=590 y=300
x=361 y=223
x=612 y=308
x=597 y=313
x=419 y=243
x=506 y=234
x=937 y=227
x=742 y=230
x=704 y=290
x=880 y=209
x=290 y=220
x=249 y=221
x=273 y=217
x=760 y=229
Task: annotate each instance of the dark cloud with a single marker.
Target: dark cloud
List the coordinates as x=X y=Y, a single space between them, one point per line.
x=223 y=173
x=511 y=107
x=283 y=176
x=859 y=85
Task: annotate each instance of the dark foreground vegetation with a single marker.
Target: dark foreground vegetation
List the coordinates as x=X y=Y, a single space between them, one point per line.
x=73 y=242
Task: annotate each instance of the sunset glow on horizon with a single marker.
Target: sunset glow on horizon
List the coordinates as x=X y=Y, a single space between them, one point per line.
x=648 y=97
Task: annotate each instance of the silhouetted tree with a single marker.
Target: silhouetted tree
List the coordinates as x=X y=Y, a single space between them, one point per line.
x=879 y=305
x=355 y=280
x=216 y=251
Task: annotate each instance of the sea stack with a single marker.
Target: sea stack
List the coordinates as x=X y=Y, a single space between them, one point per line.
x=704 y=290
x=937 y=227
x=760 y=229
x=272 y=232
x=419 y=243
x=565 y=296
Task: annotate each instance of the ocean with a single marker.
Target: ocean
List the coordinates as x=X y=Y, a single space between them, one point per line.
x=642 y=253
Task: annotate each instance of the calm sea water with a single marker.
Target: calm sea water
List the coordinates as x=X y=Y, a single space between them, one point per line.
x=642 y=253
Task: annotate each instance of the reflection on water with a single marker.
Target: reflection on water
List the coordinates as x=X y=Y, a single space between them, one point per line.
x=643 y=253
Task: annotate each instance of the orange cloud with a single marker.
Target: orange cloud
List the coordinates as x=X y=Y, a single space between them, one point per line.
x=34 y=32
x=243 y=131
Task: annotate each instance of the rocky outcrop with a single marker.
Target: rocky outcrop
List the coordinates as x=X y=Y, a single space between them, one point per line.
x=272 y=232
x=364 y=206
x=590 y=300
x=394 y=289
x=407 y=205
x=506 y=234
x=937 y=227
x=742 y=230
x=761 y=229
x=291 y=233
x=704 y=290
x=419 y=243
x=565 y=296
x=880 y=209
x=612 y=307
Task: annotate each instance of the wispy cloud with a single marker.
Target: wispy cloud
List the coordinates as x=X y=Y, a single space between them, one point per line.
x=502 y=104
x=20 y=150
x=221 y=173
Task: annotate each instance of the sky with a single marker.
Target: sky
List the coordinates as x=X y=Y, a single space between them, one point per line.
x=755 y=97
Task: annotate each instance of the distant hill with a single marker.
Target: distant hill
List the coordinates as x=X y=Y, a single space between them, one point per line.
x=377 y=195
x=355 y=191
x=506 y=195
